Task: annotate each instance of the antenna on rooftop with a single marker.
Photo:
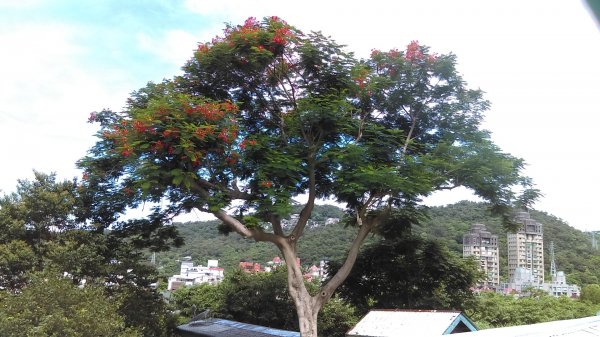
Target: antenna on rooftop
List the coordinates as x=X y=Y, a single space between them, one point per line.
x=552 y=261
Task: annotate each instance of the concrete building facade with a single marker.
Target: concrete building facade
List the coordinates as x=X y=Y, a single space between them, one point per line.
x=190 y=275
x=483 y=245
x=526 y=249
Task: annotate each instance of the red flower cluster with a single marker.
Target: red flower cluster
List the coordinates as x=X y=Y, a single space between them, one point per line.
x=281 y=35
x=247 y=142
x=278 y=19
x=227 y=135
x=393 y=53
x=232 y=158
x=139 y=126
x=250 y=22
x=127 y=150
x=171 y=133
x=212 y=111
x=202 y=133
x=203 y=48
x=361 y=78
x=413 y=51
x=158 y=146
x=266 y=183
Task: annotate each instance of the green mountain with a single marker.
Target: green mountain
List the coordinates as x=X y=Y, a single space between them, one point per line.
x=573 y=250
x=330 y=241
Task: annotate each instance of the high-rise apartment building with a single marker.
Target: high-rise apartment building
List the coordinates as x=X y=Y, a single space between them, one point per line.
x=482 y=244
x=526 y=250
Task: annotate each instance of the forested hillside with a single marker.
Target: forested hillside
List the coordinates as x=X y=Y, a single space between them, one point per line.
x=203 y=241
x=573 y=250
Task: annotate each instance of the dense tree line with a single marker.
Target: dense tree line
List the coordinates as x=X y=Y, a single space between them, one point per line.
x=61 y=276
x=42 y=239
x=491 y=310
x=261 y=299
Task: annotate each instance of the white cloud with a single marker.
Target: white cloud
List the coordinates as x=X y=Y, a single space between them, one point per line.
x=537 y=61
x=19 y=4
x=47 y=94
x=174 y=46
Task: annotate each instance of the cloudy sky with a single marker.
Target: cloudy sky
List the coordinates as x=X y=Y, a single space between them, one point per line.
x=537 y=61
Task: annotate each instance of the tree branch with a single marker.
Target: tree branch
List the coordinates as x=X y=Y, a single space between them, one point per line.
x=237 y=225
x=310 y=204
x=276 y=222
x=240 y=228
x=410 y=132
x=234 y=192
x=328 y=289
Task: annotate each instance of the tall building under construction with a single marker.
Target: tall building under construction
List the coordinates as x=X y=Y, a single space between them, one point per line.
x=526 y=251
x=483 y=245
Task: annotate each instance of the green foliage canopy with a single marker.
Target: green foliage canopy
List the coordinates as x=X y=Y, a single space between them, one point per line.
x=409 y=273
x=261 y=299
x=492 y=310
x=591 y=293
x=267 y=113
x=42 y=232
x=51 y=306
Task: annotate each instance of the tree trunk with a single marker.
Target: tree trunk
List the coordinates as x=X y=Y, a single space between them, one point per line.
x=307 y=316
x=307 y=307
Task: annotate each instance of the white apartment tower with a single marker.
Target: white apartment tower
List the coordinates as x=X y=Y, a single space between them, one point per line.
x=482 y=244
x=526 y=249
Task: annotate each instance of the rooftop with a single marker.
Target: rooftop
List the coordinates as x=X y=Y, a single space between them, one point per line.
x=215 y=327
x=384 y=323
x=581 y=327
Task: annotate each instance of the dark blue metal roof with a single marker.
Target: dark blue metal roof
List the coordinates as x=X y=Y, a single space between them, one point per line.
x=215 y=327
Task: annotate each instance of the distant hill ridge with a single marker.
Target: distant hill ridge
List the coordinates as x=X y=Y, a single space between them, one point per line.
x=329 y=240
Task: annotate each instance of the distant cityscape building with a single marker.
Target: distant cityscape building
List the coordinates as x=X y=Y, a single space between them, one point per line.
x=595 y=235
x=190 y=275
x=483 y=245
x=558 y=286
x=251 y=267
x=526 y=251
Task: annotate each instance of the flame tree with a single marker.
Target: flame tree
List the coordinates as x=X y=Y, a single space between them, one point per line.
x=266 y=113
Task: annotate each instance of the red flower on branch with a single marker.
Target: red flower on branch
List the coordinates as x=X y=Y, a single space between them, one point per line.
x=232 y=158
x=139 y=126
x=266 y=183
x=247 y=142
x=250 y=22
x=281 y=36
x=158 y=146
x=223 y=135
x=127 y=151
x=413 y=51
x=201 y=133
